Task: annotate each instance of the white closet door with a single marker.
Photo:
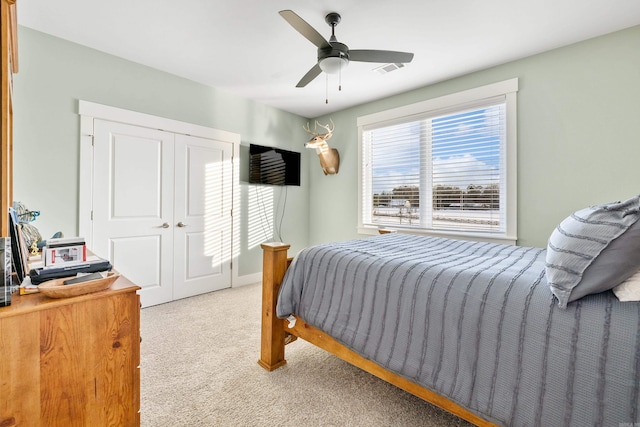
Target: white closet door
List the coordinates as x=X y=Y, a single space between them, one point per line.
x=133 y=205
x=202 y=215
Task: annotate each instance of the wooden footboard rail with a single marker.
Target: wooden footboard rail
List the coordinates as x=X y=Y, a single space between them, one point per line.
x=275 y=332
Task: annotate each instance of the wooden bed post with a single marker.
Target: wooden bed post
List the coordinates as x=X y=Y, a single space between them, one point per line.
x=274 y=265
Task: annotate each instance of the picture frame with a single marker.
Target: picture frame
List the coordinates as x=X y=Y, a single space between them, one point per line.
x=19 y=257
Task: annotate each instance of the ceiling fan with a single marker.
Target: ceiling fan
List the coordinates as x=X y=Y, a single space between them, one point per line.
x=333 y=56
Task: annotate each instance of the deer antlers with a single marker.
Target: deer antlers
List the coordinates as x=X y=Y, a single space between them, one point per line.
x=318 y=138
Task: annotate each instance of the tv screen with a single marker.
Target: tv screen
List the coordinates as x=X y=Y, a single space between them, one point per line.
x=273 y=166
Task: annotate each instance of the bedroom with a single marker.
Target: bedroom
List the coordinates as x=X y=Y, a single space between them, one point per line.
x=577 y=132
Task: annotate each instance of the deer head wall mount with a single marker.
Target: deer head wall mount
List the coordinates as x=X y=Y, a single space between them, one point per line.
x=329 y=157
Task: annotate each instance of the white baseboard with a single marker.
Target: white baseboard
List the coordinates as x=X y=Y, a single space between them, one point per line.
x=247 y=279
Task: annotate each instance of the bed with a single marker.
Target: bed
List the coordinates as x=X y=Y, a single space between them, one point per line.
x=479 y=329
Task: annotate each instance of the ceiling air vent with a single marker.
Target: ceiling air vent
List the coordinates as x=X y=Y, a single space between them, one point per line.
x=387 y=68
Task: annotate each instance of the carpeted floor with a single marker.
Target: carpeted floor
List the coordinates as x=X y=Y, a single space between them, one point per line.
x=199 y=368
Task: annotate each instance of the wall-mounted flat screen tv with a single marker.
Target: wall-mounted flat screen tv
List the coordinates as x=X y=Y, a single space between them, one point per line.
x=273 y=166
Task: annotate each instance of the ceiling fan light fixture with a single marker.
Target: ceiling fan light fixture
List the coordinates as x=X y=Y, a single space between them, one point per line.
x=333 y=56
x=333 y=64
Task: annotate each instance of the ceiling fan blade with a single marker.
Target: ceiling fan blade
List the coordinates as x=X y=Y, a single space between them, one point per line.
x=304 y=28
x=385 y=56
x=311 y=74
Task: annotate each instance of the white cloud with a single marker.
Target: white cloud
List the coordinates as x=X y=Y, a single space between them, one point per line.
x=460 y=171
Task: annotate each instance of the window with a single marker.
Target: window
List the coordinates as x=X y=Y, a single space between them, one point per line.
x=444 y=166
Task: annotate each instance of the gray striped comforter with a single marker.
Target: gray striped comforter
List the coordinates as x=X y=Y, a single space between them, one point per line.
x=477 y=323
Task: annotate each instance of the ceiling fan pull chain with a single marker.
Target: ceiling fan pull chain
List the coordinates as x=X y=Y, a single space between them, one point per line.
x=326 y=86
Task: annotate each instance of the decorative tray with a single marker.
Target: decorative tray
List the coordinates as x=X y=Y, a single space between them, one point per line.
x=57 y=289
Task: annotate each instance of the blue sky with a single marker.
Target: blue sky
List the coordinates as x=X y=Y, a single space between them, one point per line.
x=466 y=147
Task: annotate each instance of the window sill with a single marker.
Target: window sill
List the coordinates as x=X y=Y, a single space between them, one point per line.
x=480 y=237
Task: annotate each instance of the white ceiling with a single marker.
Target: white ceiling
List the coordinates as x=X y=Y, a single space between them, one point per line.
x=246 y=48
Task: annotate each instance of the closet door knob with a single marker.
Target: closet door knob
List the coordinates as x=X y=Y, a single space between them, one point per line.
x=165 y=225
x=181 y=224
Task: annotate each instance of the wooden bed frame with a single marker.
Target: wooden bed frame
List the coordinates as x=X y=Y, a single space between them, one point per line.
x=276 y=334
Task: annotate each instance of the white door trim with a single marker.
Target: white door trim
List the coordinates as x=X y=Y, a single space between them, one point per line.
x=89 y=111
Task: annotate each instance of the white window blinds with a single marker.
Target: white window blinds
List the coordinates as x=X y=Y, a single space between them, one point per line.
x=395 y=173
x=445 y=170
x=468 y=169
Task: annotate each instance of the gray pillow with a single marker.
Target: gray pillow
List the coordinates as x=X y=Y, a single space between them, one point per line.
x=594 y=250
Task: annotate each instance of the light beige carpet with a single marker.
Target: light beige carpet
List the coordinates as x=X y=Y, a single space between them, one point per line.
x=199 y=368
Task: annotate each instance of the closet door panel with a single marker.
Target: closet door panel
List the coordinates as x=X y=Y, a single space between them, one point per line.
x=135 y=194
x=202 y=215
x=129 y=253
x=133 y=205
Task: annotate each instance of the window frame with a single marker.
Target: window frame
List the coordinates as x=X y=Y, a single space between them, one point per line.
x=460 y=100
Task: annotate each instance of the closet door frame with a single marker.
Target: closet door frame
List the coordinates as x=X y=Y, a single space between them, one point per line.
x=89 y=111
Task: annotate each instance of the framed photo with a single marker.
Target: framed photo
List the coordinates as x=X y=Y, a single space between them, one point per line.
x=19 y=258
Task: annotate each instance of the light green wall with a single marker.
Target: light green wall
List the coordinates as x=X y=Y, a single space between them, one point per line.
x=54 y=74
x=578 y=136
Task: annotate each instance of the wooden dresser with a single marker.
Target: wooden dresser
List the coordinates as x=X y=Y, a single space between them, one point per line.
x=71 y=361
